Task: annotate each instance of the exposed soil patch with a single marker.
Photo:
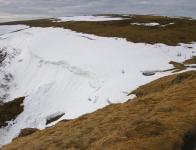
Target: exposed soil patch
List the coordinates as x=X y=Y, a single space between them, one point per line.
x=182 y=30
x=10 y=110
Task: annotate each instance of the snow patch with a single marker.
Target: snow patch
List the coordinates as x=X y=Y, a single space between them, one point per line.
x=59 y=70
x=150 y=24
x=171 y=23
x=4 y=29
x=88 y=18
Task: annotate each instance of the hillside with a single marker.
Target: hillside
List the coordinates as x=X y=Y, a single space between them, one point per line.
x=135 y=28
x=162 y=117
x=59 y=69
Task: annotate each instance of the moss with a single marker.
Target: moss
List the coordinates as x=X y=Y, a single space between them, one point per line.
x=10 y=110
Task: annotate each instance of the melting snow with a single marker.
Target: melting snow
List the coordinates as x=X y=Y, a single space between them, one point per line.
x=165 y=25
x=88 y=18
x=60 y=70
x=151 y=24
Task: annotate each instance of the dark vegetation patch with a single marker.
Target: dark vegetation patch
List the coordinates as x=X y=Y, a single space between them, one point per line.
x=3 y=55
x=66 y=120
x=10 y=110
x=182 y=31
x=27 y=131
x=189 y=140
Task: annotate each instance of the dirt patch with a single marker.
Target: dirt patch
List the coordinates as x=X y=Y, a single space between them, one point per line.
x=10 y=110
x=160 y=118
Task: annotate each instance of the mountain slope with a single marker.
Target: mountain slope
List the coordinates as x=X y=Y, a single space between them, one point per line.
x=50 y=66
x=64 y=74
x=163 y=118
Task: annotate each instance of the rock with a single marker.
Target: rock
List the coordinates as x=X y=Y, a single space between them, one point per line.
x=54 y=117
x=10 y=110
x=148 y=73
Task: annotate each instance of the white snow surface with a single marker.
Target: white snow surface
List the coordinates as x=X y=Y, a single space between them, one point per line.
x=150 y=24
x=11 y=28
x=60 y=70
x=88 y=18
x=169 y=24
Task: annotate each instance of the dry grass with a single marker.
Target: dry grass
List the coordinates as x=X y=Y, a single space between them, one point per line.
x=163 y=117
x=27 y=131
x=183 y=31
x=190 y=61
x=177 y=67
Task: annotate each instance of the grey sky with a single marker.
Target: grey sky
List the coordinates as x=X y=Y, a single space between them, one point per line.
x=86 y=7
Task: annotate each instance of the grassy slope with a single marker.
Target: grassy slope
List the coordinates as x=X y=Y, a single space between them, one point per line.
x=163 y=117
x=183 y=31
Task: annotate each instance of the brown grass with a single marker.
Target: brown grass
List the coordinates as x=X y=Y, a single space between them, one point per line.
x=183 y=31
x=162 y=117
x=177 y=66
x=27 y=131
x=190 y=61
x=181 y=66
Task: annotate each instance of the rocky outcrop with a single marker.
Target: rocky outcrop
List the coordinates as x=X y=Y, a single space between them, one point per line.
x=10 y=110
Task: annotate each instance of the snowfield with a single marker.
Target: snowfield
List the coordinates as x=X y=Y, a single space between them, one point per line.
x=64 y=71
x=87 y=18
x=11 y=28
x=151 y=24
